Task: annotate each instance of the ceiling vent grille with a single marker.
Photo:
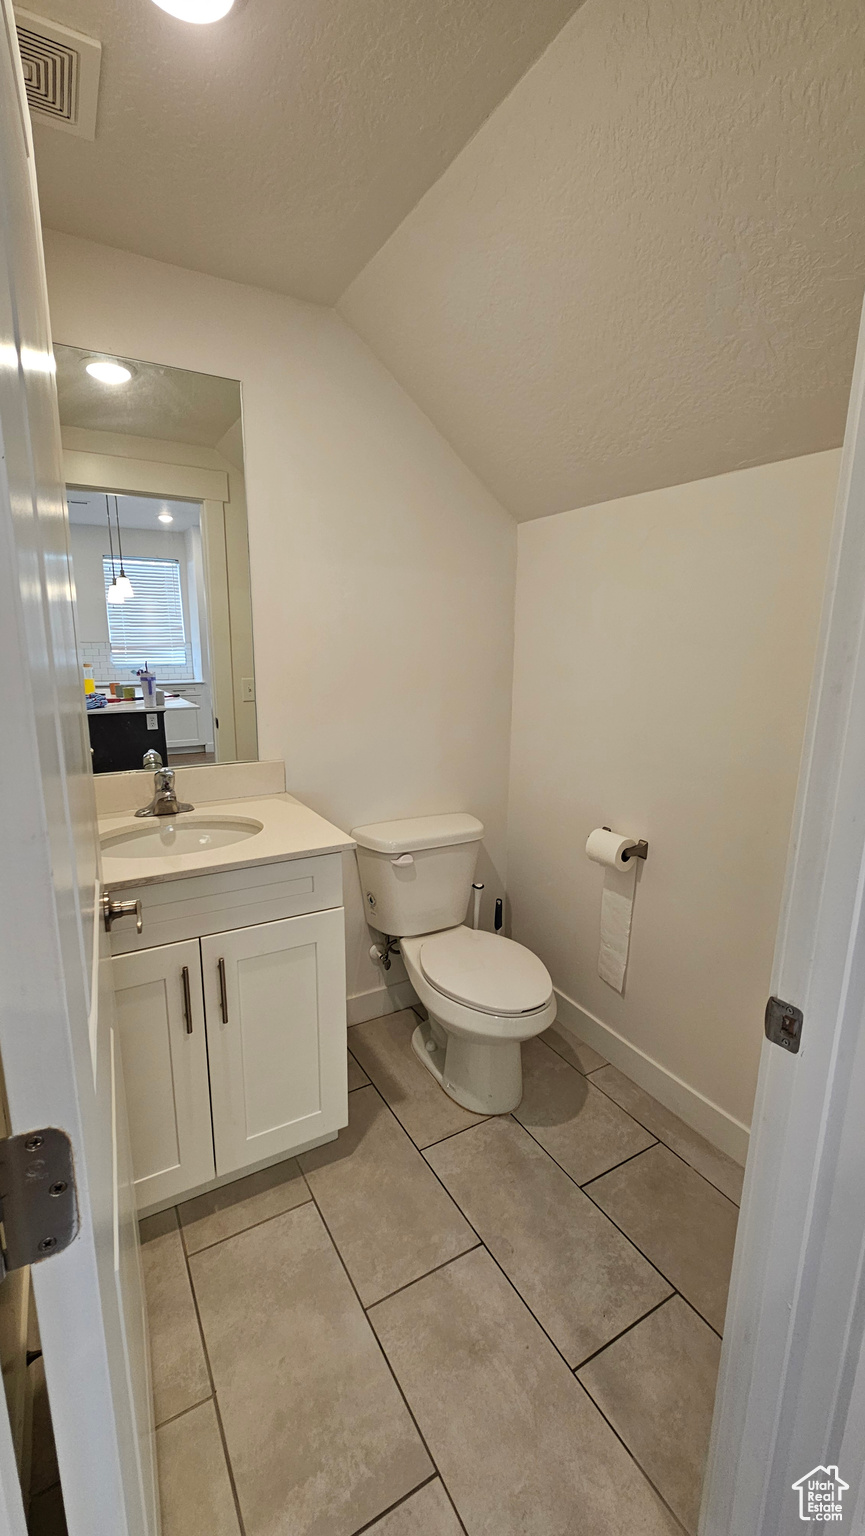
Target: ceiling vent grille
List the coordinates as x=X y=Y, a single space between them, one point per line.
x=61 y=73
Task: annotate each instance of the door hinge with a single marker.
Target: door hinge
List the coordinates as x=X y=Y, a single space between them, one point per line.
x=38 y=1205
x=784 y=1024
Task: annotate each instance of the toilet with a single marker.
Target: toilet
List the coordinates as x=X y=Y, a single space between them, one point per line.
x=484 y=994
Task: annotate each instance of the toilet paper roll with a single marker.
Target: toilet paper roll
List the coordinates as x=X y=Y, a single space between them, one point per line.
x=617 y=902
x=609 y=848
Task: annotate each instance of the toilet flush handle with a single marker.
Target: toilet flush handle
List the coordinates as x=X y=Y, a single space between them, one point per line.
x=403 y=860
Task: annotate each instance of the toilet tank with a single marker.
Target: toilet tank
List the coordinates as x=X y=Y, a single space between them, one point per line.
x=416 y=875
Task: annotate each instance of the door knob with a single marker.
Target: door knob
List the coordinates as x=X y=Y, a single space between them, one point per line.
x=114 y=909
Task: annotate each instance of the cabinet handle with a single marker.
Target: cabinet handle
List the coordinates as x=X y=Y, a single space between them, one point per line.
x=223 y=994
x=187 y=1000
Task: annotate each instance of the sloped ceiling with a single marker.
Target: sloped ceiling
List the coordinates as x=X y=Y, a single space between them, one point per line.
x=282 y=145
x=647 y=266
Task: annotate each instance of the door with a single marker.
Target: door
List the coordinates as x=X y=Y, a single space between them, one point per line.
x=160 y=1020
x=59 y=1050
x=791 y=1392
x=275 y=1003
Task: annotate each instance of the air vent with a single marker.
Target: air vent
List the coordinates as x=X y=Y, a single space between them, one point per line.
x=61 y=73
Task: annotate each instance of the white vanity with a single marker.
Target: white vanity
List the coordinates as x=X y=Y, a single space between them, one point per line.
x=230 y=1002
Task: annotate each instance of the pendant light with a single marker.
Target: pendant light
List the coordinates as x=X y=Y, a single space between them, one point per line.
x=124 y=585
x=113 y=595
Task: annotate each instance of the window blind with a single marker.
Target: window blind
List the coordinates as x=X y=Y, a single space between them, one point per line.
x=148 y=627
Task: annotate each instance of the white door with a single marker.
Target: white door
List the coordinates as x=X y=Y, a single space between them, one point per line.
x=59 y=1051
x=275 y=1003
x=160 y=1018
x=791 y=1393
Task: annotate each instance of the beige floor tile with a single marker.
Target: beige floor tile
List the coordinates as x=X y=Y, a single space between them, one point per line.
x=194 y=1487
x=518 y=1443
x=387 y=1213
x=319 y=1438
x=679 y=1221
x=428 y=1512
x=572 y=1049
x=581 y=1278
x=715 y=1166
x=657 y=1388
x=156 y=1226
x=46 y=1516
x=180 y=1376
x=222 y=1212
x=383 y=1048
x=577 y=1124
x=357 y=1078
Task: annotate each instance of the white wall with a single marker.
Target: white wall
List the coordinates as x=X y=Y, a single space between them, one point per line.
x=382 y=571
x=663 y=653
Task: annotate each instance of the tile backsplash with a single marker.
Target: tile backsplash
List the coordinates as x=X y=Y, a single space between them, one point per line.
x=97 y=654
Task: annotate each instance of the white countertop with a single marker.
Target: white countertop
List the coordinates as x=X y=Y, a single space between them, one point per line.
x=290 y=830
x=139 y=707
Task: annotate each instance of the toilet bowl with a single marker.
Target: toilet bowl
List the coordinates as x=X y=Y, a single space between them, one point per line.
x=484 y=994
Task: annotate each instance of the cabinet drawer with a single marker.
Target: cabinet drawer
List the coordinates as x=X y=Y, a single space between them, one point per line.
x=235 y=898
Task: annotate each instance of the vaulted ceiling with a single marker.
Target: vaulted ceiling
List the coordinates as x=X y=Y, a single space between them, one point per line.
x=647 y=266
x=635 y=261
x=282 y=145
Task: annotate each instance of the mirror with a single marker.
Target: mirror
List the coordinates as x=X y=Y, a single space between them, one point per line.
x=153 y=462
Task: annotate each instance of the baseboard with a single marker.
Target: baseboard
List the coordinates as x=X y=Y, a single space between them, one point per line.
x=372 y=1004
x=720 y=1128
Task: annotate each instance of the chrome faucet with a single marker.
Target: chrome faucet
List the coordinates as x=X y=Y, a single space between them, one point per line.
x=165 y=801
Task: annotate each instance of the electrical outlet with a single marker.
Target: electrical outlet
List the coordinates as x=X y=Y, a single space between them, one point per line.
x=247 y=690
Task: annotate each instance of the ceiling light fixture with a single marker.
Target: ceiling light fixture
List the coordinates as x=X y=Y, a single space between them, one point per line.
x=197 y=11
x=122 y=582
x=108 y=373
x=165 y=516
x=113 y=595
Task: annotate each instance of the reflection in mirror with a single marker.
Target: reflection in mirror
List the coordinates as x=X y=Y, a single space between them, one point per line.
x=153 y=462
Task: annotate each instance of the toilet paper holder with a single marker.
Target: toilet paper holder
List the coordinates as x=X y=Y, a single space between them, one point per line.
x=638 y=850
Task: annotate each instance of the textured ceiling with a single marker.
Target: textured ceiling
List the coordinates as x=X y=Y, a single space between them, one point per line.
x=168 y=403
x=647 y=266
x=282 y=145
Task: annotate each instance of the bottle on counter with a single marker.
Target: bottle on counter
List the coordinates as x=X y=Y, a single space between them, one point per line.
x=89 y=685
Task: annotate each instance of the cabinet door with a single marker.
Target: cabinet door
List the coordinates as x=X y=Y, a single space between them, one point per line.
x=275 y=1001
x=160 y=1016
x=183 y=727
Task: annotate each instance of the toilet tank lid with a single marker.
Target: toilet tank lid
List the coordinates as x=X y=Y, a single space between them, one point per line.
x=416 y=832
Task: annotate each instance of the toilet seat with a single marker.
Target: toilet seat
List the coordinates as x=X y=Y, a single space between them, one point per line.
x=485 y=972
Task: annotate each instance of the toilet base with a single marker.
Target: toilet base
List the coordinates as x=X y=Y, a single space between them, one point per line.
x=483 y=1076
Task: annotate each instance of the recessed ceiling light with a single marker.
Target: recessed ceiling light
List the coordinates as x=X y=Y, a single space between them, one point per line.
x=109 y=373
x=165 y=517
x=197 y=11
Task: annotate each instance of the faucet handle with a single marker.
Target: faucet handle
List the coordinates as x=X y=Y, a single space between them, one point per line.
x=152 y=759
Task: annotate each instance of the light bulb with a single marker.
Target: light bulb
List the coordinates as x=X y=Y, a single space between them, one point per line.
x=114 y=595
x=109 y=373
x=124 y=586
x=197 y=11
x=165 y=517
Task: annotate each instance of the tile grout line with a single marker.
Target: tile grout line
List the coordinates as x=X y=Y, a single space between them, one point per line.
x=590 y=1077
x=173 y=1417
x=206 y=1247
x=630 y=1328
x=390 y=1368
x=397 y=1504
x=436 y=1267
x=637 y=1464
x=219 y=1424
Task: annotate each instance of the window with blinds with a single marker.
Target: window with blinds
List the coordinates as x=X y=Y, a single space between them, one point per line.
x=148 y=627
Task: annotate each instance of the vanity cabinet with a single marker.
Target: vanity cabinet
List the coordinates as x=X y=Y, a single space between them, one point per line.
x=234 y=1041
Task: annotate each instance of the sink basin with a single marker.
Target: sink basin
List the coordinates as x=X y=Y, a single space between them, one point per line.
x=179 y=834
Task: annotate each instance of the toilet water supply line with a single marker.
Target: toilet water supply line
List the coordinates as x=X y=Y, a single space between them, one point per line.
x=478 y=888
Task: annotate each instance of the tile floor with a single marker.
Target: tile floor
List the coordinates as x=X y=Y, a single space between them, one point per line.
x=441 y=1323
